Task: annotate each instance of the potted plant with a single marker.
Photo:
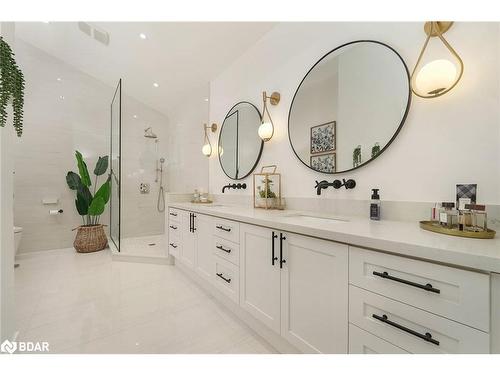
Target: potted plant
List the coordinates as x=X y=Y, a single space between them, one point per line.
x=90 y=236
x=11 y=87
x=267 y=197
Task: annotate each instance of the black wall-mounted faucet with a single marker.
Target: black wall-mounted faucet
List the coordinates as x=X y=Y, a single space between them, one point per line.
x=234 y=186
x=337 y=184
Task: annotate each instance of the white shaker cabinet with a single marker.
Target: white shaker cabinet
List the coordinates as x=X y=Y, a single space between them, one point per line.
x=188 y=236
x=297 y=286
x=260 y=275
x=204 y=264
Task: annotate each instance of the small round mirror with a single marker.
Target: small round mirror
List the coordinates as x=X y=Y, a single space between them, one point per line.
x=239 y=145
x=349 y=107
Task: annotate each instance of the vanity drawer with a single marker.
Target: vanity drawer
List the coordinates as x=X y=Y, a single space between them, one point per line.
x=227 y=278
x=174 y=245
x=408 y=327
x=227 y=229
x=174 y=215
x=226 y=249
x=362 y=342
x=450 y=292
x=173 y=229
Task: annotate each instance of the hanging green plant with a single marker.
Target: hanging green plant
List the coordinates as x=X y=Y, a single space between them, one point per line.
x=11 y=87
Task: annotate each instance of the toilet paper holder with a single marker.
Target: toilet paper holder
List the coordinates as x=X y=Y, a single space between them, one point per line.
x=56 y=212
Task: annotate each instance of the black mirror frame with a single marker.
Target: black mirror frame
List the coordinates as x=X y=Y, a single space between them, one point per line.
x=256 y=130
x=408 y=104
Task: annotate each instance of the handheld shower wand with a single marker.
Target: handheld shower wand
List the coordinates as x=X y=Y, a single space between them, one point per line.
x=160 y=204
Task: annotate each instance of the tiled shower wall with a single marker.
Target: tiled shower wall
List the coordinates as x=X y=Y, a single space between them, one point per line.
x=74 y=113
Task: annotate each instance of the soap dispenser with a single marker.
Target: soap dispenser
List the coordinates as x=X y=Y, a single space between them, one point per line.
x=375 y=205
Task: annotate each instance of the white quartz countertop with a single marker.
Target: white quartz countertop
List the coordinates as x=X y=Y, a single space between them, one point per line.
x=398 y=237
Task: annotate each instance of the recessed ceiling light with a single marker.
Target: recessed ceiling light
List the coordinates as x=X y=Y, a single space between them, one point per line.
x=59 y=79
x=61 y=97
x=142 y=36
x=134 y=116
x=206 y=99
x=156 y=84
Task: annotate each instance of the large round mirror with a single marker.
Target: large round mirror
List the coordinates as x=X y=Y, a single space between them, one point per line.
x=349 y=107
x=240 y=146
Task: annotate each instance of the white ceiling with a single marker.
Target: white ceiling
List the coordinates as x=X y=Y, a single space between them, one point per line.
x=181 y=57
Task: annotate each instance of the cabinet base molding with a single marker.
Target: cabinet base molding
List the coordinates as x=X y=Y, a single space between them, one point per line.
x=272 y=339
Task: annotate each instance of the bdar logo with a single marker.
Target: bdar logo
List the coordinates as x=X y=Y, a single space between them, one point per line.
x=8 y=347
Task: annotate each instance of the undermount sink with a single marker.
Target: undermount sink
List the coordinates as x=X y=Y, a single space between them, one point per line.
x=312 y=218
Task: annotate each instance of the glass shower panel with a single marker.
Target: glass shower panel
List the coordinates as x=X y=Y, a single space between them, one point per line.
x=115 y=151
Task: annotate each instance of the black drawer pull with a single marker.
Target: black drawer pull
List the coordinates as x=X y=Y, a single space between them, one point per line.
x=173 y=227
x=427 y=287
x=222 y=228
x=172 y=214
x=173 y=245
x=223 y=278
x=222 y=248
x=426 y=337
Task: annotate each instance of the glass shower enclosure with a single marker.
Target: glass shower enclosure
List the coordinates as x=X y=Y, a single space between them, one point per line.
x=115 y=166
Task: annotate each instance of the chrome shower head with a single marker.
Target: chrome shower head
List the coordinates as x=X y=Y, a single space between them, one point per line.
x=148 y=133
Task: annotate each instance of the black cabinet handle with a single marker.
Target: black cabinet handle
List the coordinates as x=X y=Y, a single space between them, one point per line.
x=173 y=227
x=426 y=336
x=273 y=258
x=222 y=248
x=427 y=287
x=173 y=245
x=222 y=228
x=194 y=225
x=191 y=222
x=282 y=238
x=172 y=214
x=223 y=278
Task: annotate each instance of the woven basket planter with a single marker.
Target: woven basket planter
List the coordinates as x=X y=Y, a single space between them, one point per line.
x=90 y=238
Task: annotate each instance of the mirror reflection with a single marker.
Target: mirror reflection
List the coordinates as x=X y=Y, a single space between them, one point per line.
x=240 y=146
x=349 y=107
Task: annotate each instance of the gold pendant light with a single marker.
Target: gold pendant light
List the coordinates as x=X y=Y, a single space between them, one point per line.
x=266 y=128
x=438 y=76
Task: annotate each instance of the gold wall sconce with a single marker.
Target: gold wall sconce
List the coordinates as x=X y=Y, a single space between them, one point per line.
x=437 y=76
x=207 y=147
x=266 y=128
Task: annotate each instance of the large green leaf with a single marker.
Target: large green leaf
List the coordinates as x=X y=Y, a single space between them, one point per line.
x=97 y=206
x=104 y=191
x=81 y=205
x=82 y=168
x=73 y=180
x=101 y=166
x=85 y=193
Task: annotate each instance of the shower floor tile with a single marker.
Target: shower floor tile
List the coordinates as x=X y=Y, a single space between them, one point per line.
x=86 y=303
x=149 y=246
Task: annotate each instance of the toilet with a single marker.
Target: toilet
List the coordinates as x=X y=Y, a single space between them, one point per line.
x=18 y=232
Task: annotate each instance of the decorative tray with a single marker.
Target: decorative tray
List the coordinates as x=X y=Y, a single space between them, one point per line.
x=200 y=202
x=437 y=228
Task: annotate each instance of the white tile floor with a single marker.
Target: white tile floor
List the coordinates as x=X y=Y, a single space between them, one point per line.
x=149 y=246
x=86 y=303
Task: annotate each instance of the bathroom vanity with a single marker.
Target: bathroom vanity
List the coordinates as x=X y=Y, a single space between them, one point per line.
x=322 y=284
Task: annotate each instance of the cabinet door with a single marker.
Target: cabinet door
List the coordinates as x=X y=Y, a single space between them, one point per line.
x=259 y=278
x=314 y=294
x=188 y=248
x=204 y=264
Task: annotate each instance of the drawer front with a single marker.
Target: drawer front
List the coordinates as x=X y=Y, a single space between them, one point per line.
x=227 y=278
x=174 y=214
x=226 y=249
x=453 y=293
x=409 y=328
x=362 y=342
x=174 y=245
x=227 y=229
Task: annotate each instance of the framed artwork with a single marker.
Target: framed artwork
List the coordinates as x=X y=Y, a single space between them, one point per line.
x=323 y=137
x=324 y=163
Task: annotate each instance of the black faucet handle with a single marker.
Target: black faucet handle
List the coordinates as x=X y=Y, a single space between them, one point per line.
x=244 y=186
x=349 y=184
x=337 y=184
x=233 y=186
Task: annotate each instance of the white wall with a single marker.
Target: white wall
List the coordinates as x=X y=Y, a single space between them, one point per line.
x=54 y=128
x=6 y=214
x=447 y=140
x=187 y=166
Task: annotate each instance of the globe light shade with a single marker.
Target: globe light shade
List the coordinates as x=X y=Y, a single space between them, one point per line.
x=206 y=149
x=435 y=77
x=266 y=131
